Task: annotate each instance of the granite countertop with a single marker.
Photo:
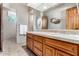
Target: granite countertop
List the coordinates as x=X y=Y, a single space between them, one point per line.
x=64 y=37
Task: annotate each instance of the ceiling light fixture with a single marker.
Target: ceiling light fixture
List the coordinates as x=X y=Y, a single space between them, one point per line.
x=45 y=7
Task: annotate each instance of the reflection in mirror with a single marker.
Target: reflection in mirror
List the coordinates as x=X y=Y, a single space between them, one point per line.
x=55 y=21
x=62 y=16
x=77 y=7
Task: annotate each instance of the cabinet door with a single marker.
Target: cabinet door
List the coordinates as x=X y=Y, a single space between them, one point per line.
x=38 y=45
x=37 y=51
x=38 y=38
x=72 y=18
x=30 y=43
x=37 y=48
x=75 y=15
x=60 y=53
x=48 y=51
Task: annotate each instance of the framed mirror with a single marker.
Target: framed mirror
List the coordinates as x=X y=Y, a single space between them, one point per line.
x=61 y=16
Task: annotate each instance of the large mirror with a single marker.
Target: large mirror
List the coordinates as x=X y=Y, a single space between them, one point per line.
x=59 y=16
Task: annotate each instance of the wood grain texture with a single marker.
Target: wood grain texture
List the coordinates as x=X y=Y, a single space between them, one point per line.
x=60 y=53
x=44 y=46
x=38 y=45
x=37 y=51
x=63 y=46
x=38 y=38
x=72 y=18
x=48 y=51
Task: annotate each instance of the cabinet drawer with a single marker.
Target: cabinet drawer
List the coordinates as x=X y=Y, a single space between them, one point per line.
x=61 y=45
x=30 y=43
x=60 y=53
x=30 y=36
x=38 y=38
x=38 y=45
x=37 y=51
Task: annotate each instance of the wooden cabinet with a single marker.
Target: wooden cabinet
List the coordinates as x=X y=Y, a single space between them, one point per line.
x=37 y=51
x=37 y=48
x=48 y=51
x=38 y=45
x=43 y=46
x=60 y=53
x=29 y=42
x=35 y=44
x=61 y=45
x=39 y=39
x=72 y=18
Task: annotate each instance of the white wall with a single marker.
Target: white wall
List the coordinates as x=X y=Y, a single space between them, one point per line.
x=58 y=12
x=22 y=18
x=9 y=29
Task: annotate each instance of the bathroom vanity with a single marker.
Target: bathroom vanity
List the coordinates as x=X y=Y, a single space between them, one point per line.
x=53 y=44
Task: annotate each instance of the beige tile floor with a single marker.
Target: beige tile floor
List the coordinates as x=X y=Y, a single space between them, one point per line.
x=11 y=48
